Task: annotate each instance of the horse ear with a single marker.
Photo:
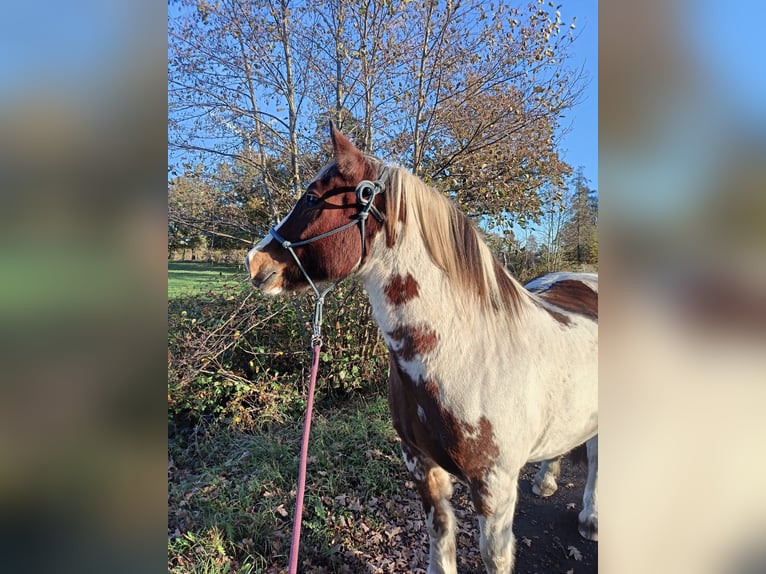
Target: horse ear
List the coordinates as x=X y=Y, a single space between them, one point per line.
x=348 y=159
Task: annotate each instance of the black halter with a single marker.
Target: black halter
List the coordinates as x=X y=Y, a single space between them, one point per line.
x=365 y=196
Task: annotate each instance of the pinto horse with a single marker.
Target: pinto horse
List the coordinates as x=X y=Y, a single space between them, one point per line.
x=485 y=375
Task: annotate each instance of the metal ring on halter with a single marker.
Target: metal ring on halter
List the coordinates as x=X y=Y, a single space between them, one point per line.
x=366 y=186
x=365 y=194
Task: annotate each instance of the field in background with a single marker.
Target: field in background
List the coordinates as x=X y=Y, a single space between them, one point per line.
x=186 y=278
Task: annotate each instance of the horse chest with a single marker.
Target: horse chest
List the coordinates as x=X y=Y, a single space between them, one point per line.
x=426 y=424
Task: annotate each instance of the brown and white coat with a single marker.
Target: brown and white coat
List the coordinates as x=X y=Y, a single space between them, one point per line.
x=485 y=375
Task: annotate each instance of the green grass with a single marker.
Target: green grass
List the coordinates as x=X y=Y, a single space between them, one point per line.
x=232 y=480
x=231 y=494
x=192 y=278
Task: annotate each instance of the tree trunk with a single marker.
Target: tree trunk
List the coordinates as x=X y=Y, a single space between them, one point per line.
x=259 y=136
x=417 y=148
x=290 y=96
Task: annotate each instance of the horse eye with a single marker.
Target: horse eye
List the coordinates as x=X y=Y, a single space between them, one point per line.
x=312 y=199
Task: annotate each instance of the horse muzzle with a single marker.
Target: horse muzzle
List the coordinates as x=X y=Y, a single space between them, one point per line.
x=265 y=273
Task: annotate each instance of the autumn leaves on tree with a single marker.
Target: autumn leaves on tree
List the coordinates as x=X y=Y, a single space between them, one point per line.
x=469 y=95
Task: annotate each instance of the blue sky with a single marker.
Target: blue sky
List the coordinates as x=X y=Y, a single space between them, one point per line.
x=580 y=145
x=729 y=44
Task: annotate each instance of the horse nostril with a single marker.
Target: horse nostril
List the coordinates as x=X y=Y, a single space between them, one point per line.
x=264 y=272
x=264 y=280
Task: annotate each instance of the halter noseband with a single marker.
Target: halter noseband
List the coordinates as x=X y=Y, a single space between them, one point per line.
x=365 y=196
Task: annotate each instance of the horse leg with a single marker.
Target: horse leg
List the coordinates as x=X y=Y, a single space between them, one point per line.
x=588 y=517
x=435 y=488
x=544 y=483
x=497 y=542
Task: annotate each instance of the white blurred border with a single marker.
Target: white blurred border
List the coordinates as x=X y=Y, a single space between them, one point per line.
x=683 y=299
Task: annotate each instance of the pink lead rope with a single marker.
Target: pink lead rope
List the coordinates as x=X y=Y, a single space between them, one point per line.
x=296 y=540
x=316 y=344
x=365 y=194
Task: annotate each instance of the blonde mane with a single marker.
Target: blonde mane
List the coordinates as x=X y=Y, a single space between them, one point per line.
x=451 y=240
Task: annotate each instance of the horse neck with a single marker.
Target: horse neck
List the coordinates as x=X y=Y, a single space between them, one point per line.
x=406 y=287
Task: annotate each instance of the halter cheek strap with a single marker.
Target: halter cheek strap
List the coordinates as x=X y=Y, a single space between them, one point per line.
x=365 y=196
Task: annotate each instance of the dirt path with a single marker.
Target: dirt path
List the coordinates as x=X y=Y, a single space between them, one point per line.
x=388 y=536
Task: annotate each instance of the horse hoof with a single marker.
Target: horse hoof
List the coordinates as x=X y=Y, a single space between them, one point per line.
x=588 y=529
x=544 y=490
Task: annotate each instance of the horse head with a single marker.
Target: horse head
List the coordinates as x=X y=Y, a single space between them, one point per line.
x=326 y=235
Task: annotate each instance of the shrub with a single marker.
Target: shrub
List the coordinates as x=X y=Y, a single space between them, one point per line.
x=242 y=358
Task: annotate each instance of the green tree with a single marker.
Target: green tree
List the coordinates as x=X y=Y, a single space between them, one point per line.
x=579 y=233
x=189 y=203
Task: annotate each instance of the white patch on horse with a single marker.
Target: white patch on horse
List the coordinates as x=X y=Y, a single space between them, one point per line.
x=421 y=414
x=412 y=367
x=263 y=243
x=413 y=466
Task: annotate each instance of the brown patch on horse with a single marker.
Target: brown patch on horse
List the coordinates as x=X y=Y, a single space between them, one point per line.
x=433 y=389
x=468 y=451
x=573 y=296
x=416 y=340
x=400 y=289
x=475 y=455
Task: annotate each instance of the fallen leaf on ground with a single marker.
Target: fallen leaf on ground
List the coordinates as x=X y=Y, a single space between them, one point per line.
x=574 y=553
